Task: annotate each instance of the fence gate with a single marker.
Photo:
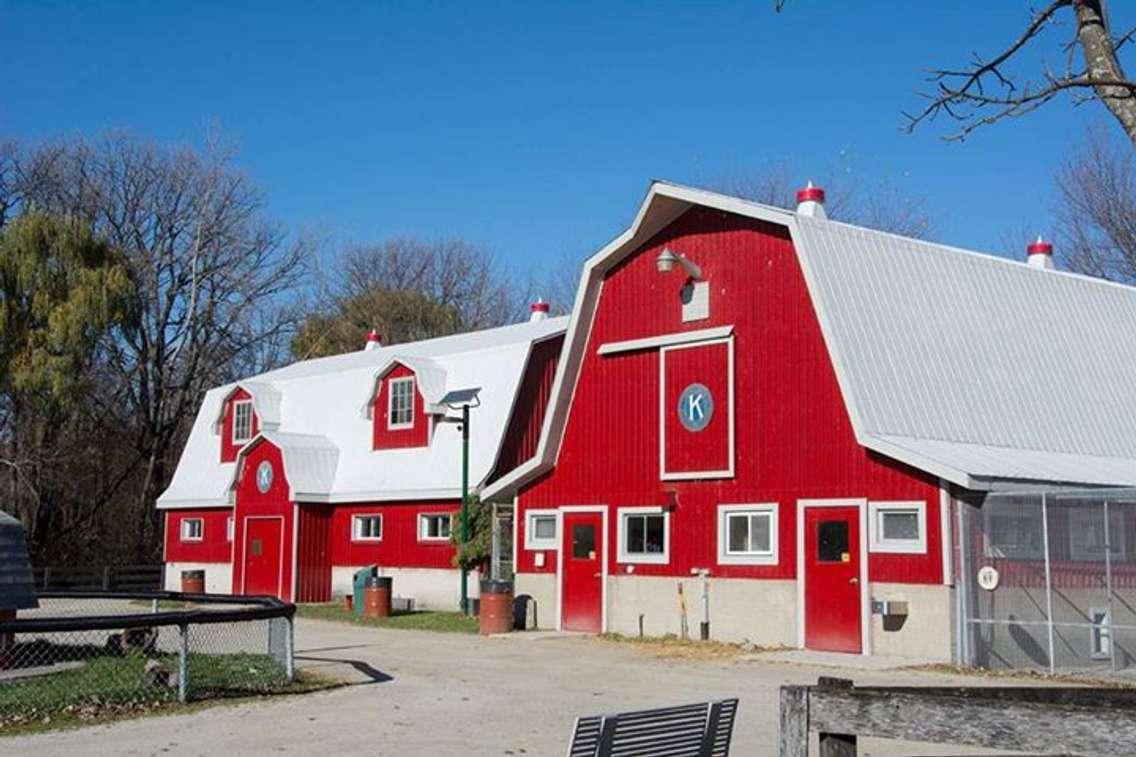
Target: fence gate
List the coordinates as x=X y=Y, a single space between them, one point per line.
x=1048 y=580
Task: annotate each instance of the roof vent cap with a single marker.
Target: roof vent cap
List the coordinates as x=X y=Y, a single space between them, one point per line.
x=1040 y=253
x=539 y=309
x=374 y=341
x=810 y=201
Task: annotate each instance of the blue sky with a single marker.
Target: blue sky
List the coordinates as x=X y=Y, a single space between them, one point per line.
x=534 y=128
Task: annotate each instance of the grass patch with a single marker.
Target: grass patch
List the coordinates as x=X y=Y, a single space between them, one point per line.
x=424 y=620
x=671 y=646
x=105 y=711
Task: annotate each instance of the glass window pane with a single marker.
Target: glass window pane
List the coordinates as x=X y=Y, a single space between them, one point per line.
x=444 y=526
x=583 y=541
x=636 y=534
x=899 y=524
x=656 y=534
x=832 y=540
x=759 y=532
x=738 y=532
x=544 y=527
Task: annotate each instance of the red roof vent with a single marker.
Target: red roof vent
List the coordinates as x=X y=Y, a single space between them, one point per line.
x=810 y=201
x=374 y=341
x=540 y=310
x=1040 y=253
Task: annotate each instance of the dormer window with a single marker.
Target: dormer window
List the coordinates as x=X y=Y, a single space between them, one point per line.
x=242 y=421
x=400 y=411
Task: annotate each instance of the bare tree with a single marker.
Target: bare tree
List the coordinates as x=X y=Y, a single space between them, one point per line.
x=1096 y=210
x=875 y=205
x=211 y=280
x=987 y=90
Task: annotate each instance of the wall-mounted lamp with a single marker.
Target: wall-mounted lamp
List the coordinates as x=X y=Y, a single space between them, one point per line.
x=667 y=259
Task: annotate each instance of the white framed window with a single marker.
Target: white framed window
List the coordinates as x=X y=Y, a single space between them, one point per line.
x=1087 y=535
x=435 y=526
x=644 y=535
x=1016 y=535
x=400 y=402
x=192 y=529
x=242 y=421
x=540 y=529
x=897 y=527
x=747 y=534
x=230 y=525
x=367 y=527
x=1101 y=633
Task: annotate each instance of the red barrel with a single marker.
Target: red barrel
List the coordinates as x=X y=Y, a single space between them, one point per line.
x=377 y=597
x=496 y=607
x=193 y=581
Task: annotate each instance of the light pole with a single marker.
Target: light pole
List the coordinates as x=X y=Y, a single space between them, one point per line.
x=464 y=399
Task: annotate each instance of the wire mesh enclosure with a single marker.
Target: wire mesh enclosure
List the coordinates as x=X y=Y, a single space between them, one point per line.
x=80 y=653
x=1049 y=581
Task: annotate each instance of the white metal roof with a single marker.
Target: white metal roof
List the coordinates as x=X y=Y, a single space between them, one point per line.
x=313 y=416
x=971 y=367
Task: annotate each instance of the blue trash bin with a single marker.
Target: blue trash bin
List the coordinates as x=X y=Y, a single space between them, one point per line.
x=358 y=583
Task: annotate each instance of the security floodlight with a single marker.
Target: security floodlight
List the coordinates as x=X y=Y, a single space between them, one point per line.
x=666 y=260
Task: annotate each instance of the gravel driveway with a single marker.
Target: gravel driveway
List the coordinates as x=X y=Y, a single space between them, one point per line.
x=421 y=693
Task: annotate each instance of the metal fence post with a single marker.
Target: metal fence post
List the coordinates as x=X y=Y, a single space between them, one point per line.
x=1108 y=588
x=962 y=583
x=1048 y=579
x=183 y=663
x=290 y=649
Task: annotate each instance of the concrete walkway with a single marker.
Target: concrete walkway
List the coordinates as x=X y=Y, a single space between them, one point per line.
x=419 y=693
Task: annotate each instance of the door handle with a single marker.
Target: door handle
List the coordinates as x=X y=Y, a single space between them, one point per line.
x=853 y=580
x=596 y=575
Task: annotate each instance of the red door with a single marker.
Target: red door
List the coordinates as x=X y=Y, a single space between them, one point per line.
x=832 y=579
x=263 y=556
x=582 y=540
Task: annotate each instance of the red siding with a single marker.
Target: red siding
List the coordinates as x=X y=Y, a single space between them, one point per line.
x=523 y=431
x=708 y=449
x=794 y=439
x=313 y=560
x=228 y=449
x=214 y=545
x=417 y=435
x=274 y=502
x=400 y=546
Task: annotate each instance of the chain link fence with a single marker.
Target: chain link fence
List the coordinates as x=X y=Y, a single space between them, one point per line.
x=1049 y=581
x=83 y=653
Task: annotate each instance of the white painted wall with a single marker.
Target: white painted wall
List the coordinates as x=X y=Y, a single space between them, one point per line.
x=218 y=576
x=431 y=588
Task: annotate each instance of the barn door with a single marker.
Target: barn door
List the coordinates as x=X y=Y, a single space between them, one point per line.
x=832 y=579
x=264 y=556
x=582 y=555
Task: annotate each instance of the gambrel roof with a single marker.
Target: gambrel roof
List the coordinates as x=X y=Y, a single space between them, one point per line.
x=314 y=412
x=981 y=370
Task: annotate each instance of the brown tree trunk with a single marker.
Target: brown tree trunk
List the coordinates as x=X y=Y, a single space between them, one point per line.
x=1102 y=63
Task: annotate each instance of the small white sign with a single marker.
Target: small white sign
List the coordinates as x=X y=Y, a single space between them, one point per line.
x=988 y=577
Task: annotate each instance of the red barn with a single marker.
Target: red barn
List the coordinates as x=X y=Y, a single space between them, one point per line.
x=293 y=479
x=790 y=406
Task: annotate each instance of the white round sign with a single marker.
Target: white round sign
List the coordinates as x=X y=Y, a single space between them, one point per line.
x=264 y=476
x=988 y=577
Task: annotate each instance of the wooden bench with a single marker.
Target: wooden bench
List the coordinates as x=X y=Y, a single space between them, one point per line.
x=692 y=730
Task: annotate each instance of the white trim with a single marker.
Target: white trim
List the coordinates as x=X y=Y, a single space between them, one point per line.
x=295 y=551
x=865 y=604
x=535 y=543
x=666 y=340
x=230 y=528
x=234 y=404
x=602 y=509
x=391 y=382
x=434 y=539
x=876 y=540
x=182 y=537
x=771 y=557
x=244 y=544
x=355 y=537
x=647 y=558
x=728 y=472
x=946 y=536
x=1100 y=631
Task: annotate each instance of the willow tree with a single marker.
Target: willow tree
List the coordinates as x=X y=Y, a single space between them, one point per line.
x=62 y=288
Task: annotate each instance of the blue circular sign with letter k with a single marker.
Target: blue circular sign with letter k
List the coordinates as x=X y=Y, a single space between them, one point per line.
x=695 y=407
